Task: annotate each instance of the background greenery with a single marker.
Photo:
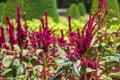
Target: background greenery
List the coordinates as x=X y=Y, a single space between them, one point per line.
x=33 y=9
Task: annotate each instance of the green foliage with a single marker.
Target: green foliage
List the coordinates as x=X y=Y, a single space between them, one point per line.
x=94 y=6
x=31 y=62
x=82 y=9
x=57 y=73
x=113 y=10
x=1 y=9
x=119 y=7
x=56 y=26
x=73 y=11
x=10 y=8
x=113 y=5
x=33 y=8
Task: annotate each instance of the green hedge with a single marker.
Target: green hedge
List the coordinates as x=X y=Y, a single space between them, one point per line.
x=10 y=8
x=82 y=9
x=35 y=8
x=1 y=9
x=73 y=11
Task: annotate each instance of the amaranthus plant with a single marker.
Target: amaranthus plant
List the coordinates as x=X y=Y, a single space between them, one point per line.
x=88 y=53
x=27 y=54
x=81 y=60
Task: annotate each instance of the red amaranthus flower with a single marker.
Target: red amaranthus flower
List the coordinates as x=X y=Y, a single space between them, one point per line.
x=21 y=33
x=82 y=40
x=2 y=38
x=61 y=40
x=45 y=35
x=11 y=32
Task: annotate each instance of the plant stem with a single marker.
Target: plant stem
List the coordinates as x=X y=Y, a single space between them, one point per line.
x=45 y=65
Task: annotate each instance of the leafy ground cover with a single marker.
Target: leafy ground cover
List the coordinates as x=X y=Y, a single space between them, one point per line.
x=71 y=52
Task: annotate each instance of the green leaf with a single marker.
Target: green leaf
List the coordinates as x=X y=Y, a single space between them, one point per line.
x=91 y=52
x=17 y=48
x=58 y=72
x=115 y=75
x=76 y=69
x=60 y=61
x=20 y=71
x=15 y=64
x=24 y=52
x=104 y=77
x=38 y=51
x=88 y=70
x=83 y=69
x=37 y=69
x=35 y=78
x=61 y=52
x=6 y=72
x=115 y=57
x=7 y=60
x=22 y=77
x=33 y=59
x=63 y=62
x=25 y=59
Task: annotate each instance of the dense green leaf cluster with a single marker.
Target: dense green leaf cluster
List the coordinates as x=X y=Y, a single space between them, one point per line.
x=82 y=9
x=32 y=8
x=75 y=11
x=1 y=9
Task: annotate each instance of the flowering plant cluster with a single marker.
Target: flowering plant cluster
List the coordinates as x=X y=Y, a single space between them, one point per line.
x=87 y=54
